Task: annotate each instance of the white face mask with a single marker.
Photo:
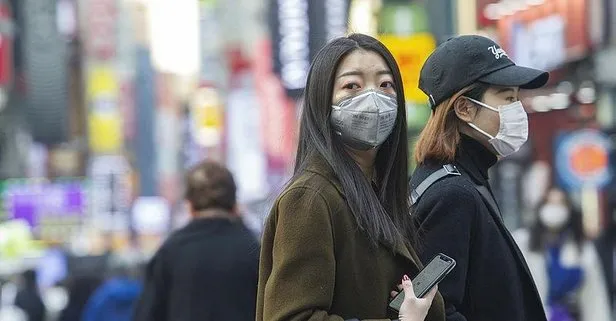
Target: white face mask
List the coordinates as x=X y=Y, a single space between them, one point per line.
x=513 y=131
x=554 y=216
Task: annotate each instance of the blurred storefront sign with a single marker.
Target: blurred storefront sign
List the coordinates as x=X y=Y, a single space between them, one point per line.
x=605 y=66
x=403 y=18
x=6 y=50
x=105 y=118
x=105 y=130
x=110 y=192
x=299 y=28
x=410 y=53
x=546 y=35
x=278 y=117
x=145 y=121
x=540 y=44
x=211 y=42
x=403 y=28
x=582 y=159
x=101 y=32
x=45 y=57
x=246 y=157
x=207 y=115
x=54 y=210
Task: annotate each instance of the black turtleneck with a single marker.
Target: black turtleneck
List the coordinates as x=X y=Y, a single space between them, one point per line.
x=475 y=158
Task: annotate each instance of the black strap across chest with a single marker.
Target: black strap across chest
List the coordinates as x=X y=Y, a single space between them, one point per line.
x=445 y=171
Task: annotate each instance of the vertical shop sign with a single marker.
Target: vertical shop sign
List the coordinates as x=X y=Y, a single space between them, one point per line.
x=403 y=29
x=207 y=117
x=101 y=41
x=299 y=29
x=145 y=120
x=104 y=123
x=212 y=59
x=45 y=71
x=278 y=117
x=101 y=33
x=110 y=192
x=246 y=156
x=411 y=52
x=6 y=46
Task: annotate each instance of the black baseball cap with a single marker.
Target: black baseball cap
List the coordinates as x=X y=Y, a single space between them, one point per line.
x=464 y=60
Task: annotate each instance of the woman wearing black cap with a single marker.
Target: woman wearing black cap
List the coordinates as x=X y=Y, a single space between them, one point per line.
x=477 y=118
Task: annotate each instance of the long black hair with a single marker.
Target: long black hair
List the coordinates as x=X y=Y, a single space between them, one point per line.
x=574 y=226
x=383 y=216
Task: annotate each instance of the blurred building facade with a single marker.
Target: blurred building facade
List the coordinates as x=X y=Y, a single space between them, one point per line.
x=104 y=104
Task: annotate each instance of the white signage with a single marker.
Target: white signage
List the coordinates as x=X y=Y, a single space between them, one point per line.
x=294 y=32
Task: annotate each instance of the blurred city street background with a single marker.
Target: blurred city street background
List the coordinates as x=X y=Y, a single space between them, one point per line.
x=105 y=103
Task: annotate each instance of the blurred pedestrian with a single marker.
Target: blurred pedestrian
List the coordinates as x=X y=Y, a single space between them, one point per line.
x=339 y=238
x=8 y=310
x=208 y=269
x=606 y=246
x=117 y=297
x=29 y=297
x=565 y=265
x=79 y=289
x=477 y=118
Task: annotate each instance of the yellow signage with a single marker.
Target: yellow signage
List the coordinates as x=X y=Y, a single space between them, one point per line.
x=207 y=116
x=410 y=52
x=105 y=132
x=102 y=81
x=104 y=119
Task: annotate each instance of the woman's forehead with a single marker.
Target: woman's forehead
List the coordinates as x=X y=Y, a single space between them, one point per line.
x=361 y=62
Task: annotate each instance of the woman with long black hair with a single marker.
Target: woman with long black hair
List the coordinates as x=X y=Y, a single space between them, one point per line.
x=339 y=237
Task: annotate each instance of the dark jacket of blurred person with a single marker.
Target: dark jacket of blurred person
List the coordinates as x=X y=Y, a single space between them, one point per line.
x=29 y=298
x=207 y=270
x=606 y=247
x=564 y=264
x=80 y=289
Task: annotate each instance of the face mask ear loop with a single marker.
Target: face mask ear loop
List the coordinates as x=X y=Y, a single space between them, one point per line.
x=475 y=127
x=483 y=104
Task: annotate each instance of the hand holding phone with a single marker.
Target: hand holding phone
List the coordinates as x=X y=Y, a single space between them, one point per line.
x=413 y=308
x=427 y=278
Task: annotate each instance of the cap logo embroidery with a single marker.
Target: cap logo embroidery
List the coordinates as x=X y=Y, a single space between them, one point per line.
x=497 y=52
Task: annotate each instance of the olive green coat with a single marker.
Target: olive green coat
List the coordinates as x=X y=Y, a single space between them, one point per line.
x=317 y=265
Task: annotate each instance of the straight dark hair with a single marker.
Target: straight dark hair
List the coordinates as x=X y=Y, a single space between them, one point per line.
x=383 y=216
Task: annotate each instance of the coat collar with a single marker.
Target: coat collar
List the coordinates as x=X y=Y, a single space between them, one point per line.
x=475 y=158
x=319 y=166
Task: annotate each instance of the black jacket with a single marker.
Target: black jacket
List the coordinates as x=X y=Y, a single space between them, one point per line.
x=605 y=248
x=206 y=271
x=30 y=301
x=491 y=280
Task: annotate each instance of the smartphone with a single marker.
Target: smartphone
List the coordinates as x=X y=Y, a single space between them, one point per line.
x=431 y=275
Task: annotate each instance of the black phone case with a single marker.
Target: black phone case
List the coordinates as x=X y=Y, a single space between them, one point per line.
x=397 y=301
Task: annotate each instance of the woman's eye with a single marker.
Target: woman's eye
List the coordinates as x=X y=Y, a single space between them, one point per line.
x=387 y=84
x=512 y=99
x=351 y=86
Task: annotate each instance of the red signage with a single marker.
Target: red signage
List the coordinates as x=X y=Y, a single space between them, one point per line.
x=278 y=115
x=6 y=46
x=574 y=13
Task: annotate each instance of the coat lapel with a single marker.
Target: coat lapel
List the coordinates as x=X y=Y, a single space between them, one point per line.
x=319 y=166
x=496 y=215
